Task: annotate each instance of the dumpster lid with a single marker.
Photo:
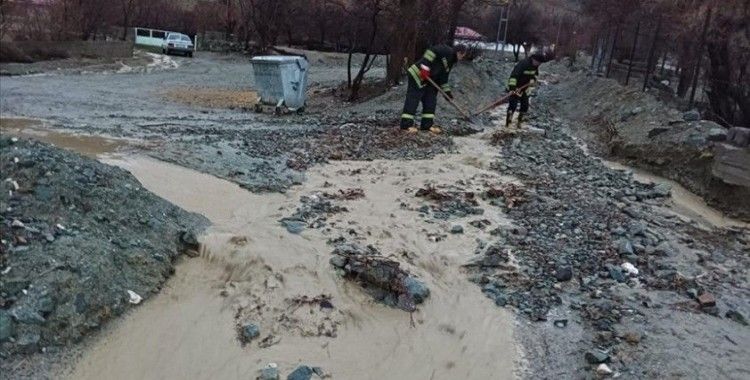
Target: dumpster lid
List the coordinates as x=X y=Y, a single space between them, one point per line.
x=277 y=58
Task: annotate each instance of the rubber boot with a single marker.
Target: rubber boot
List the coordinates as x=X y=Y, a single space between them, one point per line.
x=508 y=119
x=520 y=120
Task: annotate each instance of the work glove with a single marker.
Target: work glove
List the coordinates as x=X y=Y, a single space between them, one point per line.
x=424 y=72
x=449 y=94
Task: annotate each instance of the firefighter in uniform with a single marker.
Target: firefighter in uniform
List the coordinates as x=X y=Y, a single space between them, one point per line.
x=523 y=73
x=436 y=63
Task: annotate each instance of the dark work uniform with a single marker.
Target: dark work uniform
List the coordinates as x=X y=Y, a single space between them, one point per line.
x=440 y=59
x=523 y=73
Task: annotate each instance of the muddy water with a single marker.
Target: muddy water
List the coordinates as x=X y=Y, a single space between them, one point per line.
x=188 y=330
x=683 y=202
x=88 y=145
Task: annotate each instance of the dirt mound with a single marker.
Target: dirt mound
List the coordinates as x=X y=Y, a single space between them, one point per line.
x=81 y=242
x=213 y=97
x=633 y=126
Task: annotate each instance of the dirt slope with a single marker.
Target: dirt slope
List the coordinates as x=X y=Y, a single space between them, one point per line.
x=77 y=235
x=636 y=128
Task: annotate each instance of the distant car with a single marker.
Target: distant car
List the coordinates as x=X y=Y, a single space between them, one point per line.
x=177 y=43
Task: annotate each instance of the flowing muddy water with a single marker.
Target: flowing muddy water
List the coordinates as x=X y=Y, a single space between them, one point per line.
x=189 y=330
x=683 y=202
x=249 y=262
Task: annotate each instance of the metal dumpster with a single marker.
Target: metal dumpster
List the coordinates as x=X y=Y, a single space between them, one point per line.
x=281 y=81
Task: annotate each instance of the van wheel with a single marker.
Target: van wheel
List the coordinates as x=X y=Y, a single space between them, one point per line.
x=190 y=54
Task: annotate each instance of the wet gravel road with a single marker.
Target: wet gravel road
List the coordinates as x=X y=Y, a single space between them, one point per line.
x=129 y=101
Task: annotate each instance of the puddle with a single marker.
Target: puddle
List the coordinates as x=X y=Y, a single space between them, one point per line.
x=88 y=145
x=683 y=202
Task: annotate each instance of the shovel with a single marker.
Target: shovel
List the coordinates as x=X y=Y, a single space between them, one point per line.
x=458 y=108
x=500 y=101
x=448 y=98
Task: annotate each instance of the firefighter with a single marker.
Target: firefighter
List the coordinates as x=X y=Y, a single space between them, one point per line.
x=523 y=73
x=436 y=63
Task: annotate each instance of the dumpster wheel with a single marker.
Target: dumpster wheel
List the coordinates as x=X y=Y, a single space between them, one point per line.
x=278 y=111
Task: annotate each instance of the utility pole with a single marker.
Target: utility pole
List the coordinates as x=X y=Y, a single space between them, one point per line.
x=505 y=35
x=504 y=13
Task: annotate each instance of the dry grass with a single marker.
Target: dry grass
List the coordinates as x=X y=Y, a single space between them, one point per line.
x=213 y=97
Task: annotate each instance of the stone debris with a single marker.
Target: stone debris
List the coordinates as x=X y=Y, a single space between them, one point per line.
x=134 y=298
x=381 y=277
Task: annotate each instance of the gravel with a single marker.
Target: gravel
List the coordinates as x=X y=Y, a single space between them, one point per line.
x=77 y=236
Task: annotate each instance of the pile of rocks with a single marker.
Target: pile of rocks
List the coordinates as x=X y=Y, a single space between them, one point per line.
x=381 y=277
x=82 y=242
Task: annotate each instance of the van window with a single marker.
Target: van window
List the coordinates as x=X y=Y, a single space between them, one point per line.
x=143 y=32
x=186 y=39
x=158 y=34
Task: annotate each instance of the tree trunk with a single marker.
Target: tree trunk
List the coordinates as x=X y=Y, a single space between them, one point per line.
x=632 y=52
x=349 y=68
x=402 y=41
x=456 y=6
x=651 y=51
x=699 y=56
x=720 y=85
x=612 y=50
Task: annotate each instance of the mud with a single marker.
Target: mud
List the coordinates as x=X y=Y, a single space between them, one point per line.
x=637 y=129
x=90 y=146
x=683 y=202
x=252 y=263
x=520 y=243
x=77 y=237
x=213 y=98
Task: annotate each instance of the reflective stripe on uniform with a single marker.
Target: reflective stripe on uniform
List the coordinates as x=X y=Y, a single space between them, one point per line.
x=428 y=116
x=414 y=71
x=407 y=116
x=512 y=81
x=445 y=87
x=429 y=55
x=530 y=72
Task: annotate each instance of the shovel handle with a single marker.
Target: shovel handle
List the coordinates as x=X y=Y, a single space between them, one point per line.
x=499 y=101
x=447 y=98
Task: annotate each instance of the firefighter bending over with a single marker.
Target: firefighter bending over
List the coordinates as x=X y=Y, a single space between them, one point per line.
x=523 y=74
x=436 y=64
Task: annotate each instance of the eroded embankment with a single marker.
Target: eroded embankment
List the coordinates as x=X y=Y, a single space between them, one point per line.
x=638 y=129
x=82 y=242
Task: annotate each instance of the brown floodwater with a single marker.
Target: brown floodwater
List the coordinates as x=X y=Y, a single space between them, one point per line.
x=189 y=329
x=88 y=145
